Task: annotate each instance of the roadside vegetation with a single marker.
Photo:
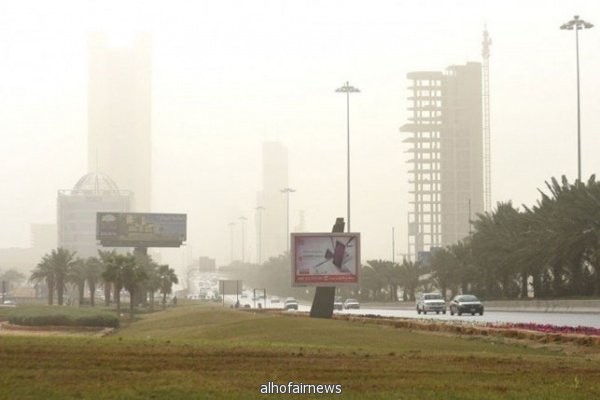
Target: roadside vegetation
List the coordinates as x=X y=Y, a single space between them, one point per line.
x=61 y=316
x=209 y=352
x=138 y=274
x=548 y=250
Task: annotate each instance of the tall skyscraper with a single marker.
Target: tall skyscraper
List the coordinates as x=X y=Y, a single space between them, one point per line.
x=446 y=147
x=271 y=223
x=119 y=115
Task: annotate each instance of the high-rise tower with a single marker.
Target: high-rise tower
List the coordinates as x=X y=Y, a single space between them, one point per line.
x=119 y=115
x=445 y=137
x=271 y=221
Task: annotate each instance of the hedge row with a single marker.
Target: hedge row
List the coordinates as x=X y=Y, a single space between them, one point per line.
x=62 y=316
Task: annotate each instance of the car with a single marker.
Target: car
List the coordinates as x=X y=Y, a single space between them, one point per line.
x=337 y=303
x=351 y=304
x=431 y=302
x=290 y=304
x=8 y=303
x=466 y=303
x=275 y=300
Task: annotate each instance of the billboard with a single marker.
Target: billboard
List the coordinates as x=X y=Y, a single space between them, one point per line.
x=230 y=287
x=325 y=259
x=117 y=229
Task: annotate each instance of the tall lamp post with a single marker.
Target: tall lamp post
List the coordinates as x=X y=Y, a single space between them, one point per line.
x=287 y=191
x=259 y=210
x=231 y=225
x=243 y=219
x=348 y=89
x=577 y=24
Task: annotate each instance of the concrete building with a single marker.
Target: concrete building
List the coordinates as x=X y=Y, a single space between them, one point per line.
x=119 y=115
x=271 y=222
x=77 y=210
x=446 y=147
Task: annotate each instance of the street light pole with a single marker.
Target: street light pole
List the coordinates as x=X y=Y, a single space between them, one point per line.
x=231 y=225
x=577 y=24
x=243 y=219
x=348 y=89
x=260 y=210
x=287 y=191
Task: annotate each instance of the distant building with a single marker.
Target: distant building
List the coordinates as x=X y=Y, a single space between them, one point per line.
x=271 y=221
x=206 y=264
x=77 y=210
x=119 y=115
x=445 y=136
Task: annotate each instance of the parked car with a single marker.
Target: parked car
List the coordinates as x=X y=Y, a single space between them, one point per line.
x=431 y=302
x=275 y=300
x=290 y=304
x=338 y=304
x=466 y=303
x=351 y=304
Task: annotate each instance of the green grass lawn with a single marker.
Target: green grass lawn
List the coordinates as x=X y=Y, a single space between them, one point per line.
x=208 y=352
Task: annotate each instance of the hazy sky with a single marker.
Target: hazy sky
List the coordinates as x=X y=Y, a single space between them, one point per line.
x=228 y=75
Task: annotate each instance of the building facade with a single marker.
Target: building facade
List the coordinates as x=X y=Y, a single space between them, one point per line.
x=119 y=115
x=271 y=215
x=77 y=208
x=445 y=139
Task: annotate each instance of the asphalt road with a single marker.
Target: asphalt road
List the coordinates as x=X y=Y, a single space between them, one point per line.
x=589 y=319
x=554 y=318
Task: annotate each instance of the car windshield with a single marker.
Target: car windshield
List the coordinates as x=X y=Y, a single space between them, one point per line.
x=468 y=298
x=351 y=301
x=433 y=297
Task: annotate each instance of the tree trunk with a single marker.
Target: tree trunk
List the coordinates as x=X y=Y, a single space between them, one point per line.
x=92 y=286
x=81 y=290
x=50 y=293
x=107 y=294
x=60 y=292
x=524 y=278
x=132 y=294
x=117 y=296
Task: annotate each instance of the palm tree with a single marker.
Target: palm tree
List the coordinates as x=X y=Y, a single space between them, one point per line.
x=410 y=273
x=115 y=265
x=167 y=278
x=62 y=261
x=93 y=273
x=132 y=275
x=76 y=276
x=43 y=272
x=54 y=269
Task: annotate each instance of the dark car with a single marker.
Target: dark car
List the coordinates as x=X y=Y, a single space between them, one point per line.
x=466 y=303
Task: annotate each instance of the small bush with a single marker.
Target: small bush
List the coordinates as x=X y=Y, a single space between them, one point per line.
x=62 y=316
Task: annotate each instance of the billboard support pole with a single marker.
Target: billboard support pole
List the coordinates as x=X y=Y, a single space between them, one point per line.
x=322 y=306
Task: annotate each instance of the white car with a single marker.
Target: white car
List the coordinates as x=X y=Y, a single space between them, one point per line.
x=431 y=302
x=290 y=304
x=351 y=304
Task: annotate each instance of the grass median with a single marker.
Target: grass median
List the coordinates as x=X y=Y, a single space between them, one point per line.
x=207 y=352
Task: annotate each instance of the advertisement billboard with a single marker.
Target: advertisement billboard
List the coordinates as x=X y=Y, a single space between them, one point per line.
x=116 y=229
x=325 y=259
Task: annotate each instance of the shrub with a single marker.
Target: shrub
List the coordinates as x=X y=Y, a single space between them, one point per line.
x=62 y=316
